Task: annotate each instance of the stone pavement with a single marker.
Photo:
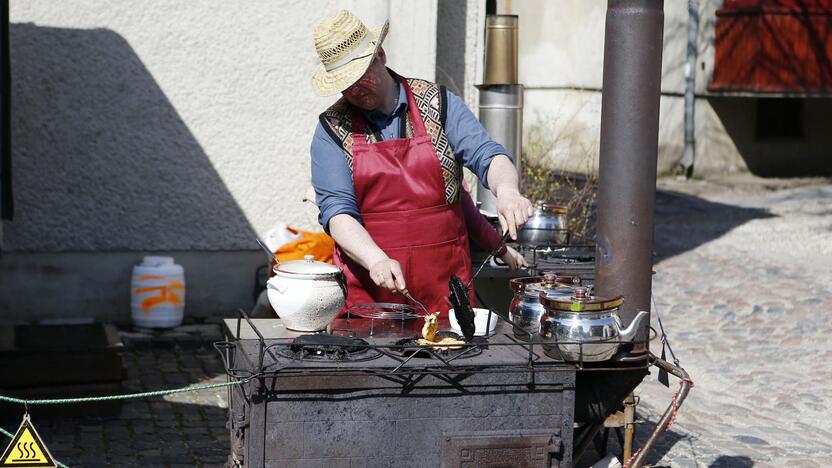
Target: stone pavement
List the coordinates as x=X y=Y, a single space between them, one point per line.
x=744 y=284
x=180 y=430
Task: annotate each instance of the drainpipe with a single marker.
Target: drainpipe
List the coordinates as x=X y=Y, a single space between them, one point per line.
x=628 y=155
x=501 y=95
x=686 y=164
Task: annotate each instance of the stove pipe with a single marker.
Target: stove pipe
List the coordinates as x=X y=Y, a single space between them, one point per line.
x=628 y=155
x=501 y=96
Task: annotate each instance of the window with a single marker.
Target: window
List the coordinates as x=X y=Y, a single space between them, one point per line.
x=779 y=118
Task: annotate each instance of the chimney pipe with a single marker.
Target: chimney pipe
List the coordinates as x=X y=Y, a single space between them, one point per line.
x=501 y=95
x=628 y=155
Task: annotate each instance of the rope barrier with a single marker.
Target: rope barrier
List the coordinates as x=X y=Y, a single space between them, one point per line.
x=59 y=401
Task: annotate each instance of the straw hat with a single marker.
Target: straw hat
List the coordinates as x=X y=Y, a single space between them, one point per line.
x=346 y=48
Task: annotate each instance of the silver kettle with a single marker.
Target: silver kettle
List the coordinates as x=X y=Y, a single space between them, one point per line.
x=546 y=226
x=583 y=328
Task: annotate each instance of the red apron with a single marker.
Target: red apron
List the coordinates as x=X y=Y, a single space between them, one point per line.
x=401 y=196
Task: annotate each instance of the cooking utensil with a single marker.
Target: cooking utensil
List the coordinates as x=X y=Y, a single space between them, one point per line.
x=526 y=310
x=384 y=311
x=485 y=322
x=585 y=328
x=307 y=294
x=268 y=250
x=409 y=297
x=464 y=312
x=488 y=259
x=546 y=226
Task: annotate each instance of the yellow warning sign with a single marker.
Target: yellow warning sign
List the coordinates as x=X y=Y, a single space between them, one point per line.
x=27 y=449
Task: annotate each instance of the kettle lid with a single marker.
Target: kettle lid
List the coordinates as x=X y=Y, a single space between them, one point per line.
x=550 y=282
x=581 y=301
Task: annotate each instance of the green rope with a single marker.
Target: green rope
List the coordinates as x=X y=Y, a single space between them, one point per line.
x=59 y=401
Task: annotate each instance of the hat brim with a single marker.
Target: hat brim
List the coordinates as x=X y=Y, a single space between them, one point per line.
x=327 y=83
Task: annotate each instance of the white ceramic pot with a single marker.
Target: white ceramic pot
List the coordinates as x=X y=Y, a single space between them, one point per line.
x=307 y=294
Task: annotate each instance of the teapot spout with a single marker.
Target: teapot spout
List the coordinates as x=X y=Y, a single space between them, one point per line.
x=629 y=333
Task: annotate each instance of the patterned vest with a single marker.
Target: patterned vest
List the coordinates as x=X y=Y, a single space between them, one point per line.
x=433 y=107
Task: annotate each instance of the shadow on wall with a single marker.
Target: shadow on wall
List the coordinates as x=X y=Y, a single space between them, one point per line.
x=450 y=61
x=776 y=137
x=102 y=159
x=684 y=222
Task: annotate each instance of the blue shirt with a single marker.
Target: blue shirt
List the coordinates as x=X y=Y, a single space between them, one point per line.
x=331 y=177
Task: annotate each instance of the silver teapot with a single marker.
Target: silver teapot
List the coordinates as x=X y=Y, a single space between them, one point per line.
x=583 y=328
x=526 y=310
x=546 y=226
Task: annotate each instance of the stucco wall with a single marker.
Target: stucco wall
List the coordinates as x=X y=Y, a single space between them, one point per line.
x=561 y=65
x=179 y=128
x=173 y=126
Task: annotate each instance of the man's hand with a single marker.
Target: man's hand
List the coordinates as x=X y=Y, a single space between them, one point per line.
x=387 y=273
x=513 y=210
x=513 y=259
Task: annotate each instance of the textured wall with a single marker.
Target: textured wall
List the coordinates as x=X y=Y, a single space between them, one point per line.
x=173 y=125
x=180 y=128
x=561 y=65
x=460 y=68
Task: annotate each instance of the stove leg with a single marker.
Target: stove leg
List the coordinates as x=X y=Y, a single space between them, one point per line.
x=629 y=425
x=256 y=436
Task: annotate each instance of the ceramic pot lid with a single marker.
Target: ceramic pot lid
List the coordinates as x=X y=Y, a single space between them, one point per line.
x=308 y=268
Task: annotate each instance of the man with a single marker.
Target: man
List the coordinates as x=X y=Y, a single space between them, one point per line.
x=387 y=170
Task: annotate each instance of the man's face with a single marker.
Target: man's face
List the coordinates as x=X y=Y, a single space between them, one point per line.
x=368 y=92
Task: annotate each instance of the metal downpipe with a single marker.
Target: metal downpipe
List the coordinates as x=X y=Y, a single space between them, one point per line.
x=686 y=164
x=628 y=155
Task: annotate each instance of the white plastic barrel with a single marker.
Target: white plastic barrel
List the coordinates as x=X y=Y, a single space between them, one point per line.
x=157 y=293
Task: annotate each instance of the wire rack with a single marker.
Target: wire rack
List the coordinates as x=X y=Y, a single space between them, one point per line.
x=269 y=358
x=383 y=311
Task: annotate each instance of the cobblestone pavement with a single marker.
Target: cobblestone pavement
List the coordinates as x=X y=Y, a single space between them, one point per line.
x=744 y=284
x=743 y=281
x=179 y=430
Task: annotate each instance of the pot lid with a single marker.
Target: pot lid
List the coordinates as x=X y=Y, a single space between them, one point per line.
x=307 y=267
x=550 y=282
x=581 y=301
x=550 y=208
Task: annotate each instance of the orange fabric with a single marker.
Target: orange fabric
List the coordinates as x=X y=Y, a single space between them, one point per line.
x=318 y=244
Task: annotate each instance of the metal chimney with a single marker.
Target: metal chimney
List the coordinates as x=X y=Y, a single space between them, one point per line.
x=501 y=96
x=629 y=151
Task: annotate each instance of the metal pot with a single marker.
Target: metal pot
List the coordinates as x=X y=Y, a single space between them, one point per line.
x=307 y=294
x=585 y=328
x=547 y=226
x=526 y=310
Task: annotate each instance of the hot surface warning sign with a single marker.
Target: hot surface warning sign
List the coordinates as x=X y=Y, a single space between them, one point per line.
x=27 y=449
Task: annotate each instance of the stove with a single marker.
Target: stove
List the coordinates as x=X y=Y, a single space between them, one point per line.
x=357 y=397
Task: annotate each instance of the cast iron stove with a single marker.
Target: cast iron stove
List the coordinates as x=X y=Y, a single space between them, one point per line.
x=382 y=401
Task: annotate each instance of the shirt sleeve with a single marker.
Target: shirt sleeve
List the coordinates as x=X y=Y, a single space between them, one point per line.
x=479 y=229
x=331 y=177
x=472 y=145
